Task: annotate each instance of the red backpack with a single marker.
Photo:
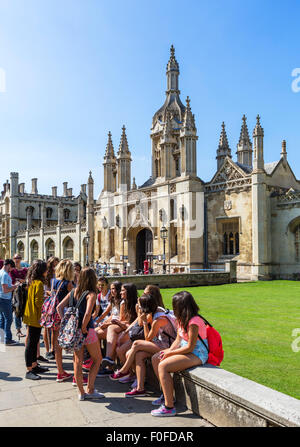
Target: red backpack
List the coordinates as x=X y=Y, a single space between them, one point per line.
x=215 y=348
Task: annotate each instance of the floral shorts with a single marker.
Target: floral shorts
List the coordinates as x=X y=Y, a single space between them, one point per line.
x=91 y=337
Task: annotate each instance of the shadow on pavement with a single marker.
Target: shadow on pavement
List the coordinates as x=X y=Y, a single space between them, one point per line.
x=6 y=376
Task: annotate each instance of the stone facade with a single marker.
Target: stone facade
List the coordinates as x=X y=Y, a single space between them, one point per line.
x=39 y=226
x=249 y=212
x=241 y=214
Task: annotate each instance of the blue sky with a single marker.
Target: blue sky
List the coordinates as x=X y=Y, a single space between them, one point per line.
x=76 y=69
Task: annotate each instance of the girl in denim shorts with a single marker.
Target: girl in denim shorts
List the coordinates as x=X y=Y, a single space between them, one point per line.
x=186 y=352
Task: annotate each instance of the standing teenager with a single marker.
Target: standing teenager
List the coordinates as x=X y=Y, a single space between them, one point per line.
x=86 y=288
x=32 y=314
x=62 y=285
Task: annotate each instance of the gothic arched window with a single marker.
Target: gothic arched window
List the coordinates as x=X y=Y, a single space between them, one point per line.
x=66 y=214
x=49 y=212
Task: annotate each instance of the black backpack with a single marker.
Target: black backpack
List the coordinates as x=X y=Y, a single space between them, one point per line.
x=19 y=299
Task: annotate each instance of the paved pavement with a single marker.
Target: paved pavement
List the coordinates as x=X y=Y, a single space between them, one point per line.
x=46 y=403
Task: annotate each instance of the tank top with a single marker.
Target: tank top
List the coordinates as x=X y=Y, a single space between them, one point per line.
x=81 y=311
x=63 y=291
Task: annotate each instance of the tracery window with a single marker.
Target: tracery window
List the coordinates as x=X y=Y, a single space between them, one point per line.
x=230 y=238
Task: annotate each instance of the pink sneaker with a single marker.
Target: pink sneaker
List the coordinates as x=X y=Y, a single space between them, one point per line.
x=85 y=381
x=162 y=411
x=136 y=393
x=86 y=366
x=118 y=375
x=63 y=377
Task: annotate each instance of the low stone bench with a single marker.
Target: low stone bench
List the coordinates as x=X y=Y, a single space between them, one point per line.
x=227 y=400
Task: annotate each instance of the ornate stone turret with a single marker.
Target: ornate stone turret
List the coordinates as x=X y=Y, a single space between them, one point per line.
x=244 y=147
x=258 y=145
x=188 y=138
x=109 y=167
x=124 y=163
x=166 y=124
x=223 y=150
x=172 y=103
x=172 y=73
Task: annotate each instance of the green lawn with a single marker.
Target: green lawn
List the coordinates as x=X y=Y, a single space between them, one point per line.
x=255 y=321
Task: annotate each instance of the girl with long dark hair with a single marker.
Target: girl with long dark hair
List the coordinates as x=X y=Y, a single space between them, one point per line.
x=120 y=324
x=36 y=277
x=186 y=352
x=150 y=315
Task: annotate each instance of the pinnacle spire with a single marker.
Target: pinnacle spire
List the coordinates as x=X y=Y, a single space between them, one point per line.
x=172 y=64
x=258 y=130
x=223 y=141
x=244 y=146
x=172 y=73
x=244 y=135
x=109 y=153
x=223 y=150
x=189 y=118
x=123 y=146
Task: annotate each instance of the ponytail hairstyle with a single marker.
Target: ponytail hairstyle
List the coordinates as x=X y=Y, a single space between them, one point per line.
x=185 y=308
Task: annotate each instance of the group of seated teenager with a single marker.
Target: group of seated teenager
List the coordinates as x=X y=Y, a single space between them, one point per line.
x=131 y=329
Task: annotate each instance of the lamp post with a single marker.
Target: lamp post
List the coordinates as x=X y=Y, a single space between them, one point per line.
x=164 y=235
x=87 y=240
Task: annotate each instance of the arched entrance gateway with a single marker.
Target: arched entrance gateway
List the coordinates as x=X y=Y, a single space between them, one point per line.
x=144 y=248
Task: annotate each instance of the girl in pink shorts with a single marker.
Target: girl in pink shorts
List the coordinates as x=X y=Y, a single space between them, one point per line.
x=87 y=284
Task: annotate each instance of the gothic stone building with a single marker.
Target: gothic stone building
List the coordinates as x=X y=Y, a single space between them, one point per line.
x=249 y=211
x=39 y=226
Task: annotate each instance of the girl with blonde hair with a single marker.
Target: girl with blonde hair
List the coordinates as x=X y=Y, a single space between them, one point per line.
x=62 y=285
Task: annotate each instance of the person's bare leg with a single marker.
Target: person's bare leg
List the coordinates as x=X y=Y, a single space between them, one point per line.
x=46 y=339
x=170 y=365
x=113 y=332
x=58 y=354
x=95 y=353
x=77 y=360
x=121 y=351
x=155 y=362
x=140 y=369
x=139 y=345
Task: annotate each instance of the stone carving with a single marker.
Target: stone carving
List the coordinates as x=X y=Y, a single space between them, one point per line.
x=227 y=205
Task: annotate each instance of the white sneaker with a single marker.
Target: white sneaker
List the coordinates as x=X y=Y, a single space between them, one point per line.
x=94 y=395
x=81 y=397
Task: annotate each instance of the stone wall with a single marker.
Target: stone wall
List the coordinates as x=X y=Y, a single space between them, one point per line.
x=177 y=280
